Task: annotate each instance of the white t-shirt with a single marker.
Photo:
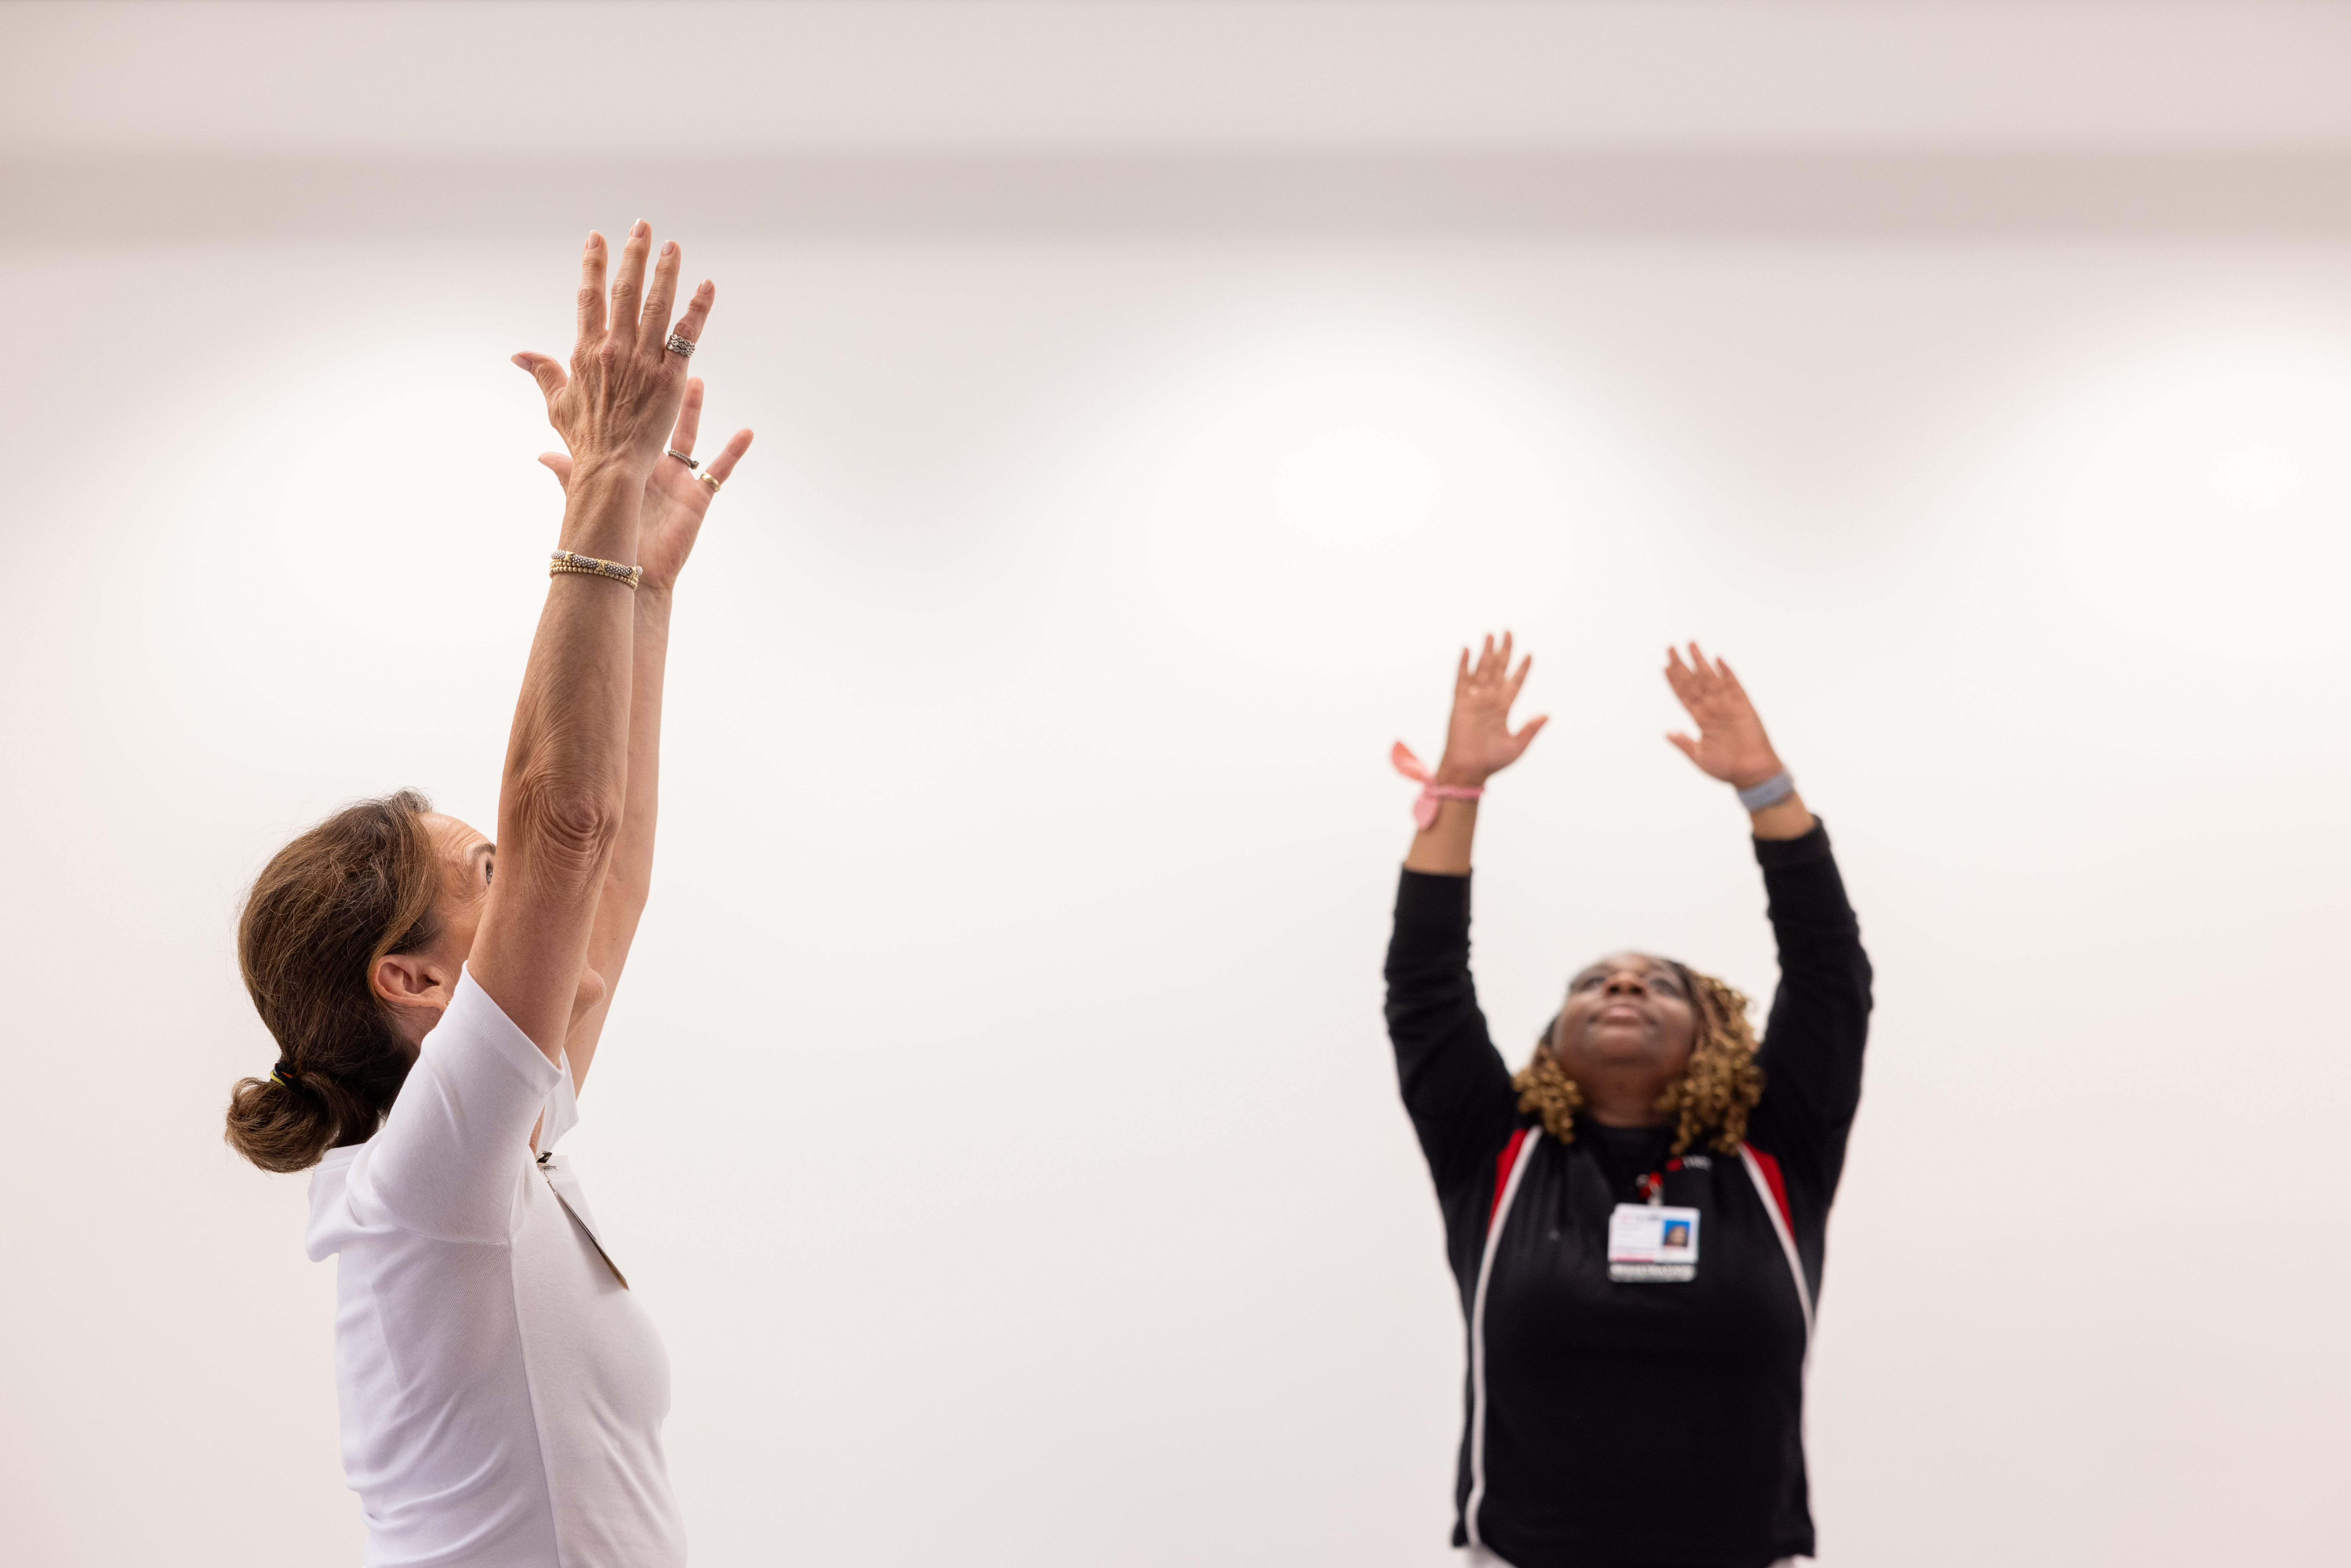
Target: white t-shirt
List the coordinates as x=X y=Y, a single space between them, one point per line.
x=502 y=1392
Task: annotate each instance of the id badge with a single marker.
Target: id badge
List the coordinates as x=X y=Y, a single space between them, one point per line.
x=1651 y=1243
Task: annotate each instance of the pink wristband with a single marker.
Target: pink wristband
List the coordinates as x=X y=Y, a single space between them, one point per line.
x=1432 y=793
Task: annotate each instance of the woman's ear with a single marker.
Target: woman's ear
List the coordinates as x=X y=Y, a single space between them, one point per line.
x=406 y=980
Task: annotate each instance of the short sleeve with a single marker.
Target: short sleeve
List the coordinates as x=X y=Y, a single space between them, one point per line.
x=445 y=1163
x=563 y=1109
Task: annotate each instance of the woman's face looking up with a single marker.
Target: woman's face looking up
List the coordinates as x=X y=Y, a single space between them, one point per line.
x=467 y=863
x=1628 y=1025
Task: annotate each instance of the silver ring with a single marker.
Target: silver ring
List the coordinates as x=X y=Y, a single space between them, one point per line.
x=680 y=345
x=682 y=458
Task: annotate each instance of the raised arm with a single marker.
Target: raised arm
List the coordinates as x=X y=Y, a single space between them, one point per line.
x=1454 y=1084
x=1813 y=1045
x=676 y=500
x=562 y=800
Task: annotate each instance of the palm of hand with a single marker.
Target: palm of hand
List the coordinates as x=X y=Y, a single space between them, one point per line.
x=1731 y=744
x=675 y=504
x=1479 y=742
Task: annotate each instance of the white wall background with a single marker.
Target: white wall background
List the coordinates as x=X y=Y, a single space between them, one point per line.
x=996 y=1117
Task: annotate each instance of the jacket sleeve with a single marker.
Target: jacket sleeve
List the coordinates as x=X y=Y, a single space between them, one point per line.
x=1811 y=1049
x=1455 y=1087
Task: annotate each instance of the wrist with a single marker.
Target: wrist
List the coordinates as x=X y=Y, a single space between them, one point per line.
x=1454 y=776
x=615 y=468
x=600 y=506
x=1767 y=792
x=1788 y=818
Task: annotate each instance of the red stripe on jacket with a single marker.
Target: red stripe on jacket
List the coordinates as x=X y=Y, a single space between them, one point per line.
x=1779 y=1187
x=1510 y=1156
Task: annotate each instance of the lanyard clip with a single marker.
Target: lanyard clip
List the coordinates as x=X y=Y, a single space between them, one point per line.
x=1653 y=1187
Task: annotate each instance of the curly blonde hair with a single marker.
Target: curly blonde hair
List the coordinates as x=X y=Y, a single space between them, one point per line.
x=1711 y=1094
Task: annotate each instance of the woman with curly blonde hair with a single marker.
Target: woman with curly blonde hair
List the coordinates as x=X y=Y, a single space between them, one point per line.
x=1636 y=1218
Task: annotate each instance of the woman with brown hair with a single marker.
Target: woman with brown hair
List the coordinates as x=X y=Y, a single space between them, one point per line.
x=1636 y=1218
x=501 y=1391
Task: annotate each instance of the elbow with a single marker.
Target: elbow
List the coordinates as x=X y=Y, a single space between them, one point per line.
x=570 y=824
x=626 y=886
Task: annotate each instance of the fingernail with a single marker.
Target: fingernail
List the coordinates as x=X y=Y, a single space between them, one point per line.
x=519 y=362
x=669 y=247
x=704 y=288
x=640 y=227
x=594 y=239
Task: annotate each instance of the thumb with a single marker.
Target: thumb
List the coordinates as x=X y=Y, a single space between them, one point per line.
x=1688 y=747
x=559 y=465
x=1527 y=732
x=546 y=372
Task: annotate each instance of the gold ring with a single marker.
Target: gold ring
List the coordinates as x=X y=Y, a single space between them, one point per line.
x=709 y=479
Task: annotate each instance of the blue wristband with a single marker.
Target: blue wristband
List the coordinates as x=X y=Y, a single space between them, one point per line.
x=1770 y=792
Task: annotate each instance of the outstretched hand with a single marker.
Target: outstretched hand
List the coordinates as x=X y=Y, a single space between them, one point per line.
x=626 y=384
x=1479 y=742
x=1731 y=744
x=676 y=500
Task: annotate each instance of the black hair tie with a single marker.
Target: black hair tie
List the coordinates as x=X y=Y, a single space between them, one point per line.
x=283 y=1072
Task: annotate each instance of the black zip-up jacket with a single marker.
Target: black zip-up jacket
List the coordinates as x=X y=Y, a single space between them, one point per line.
x=1650 y=1425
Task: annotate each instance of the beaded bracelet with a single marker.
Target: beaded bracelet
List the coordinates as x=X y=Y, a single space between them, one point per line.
x=589 y=566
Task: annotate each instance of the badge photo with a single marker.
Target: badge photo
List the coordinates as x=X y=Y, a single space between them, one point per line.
x=1650 y=1243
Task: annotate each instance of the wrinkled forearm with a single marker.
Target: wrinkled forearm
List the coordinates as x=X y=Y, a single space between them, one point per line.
x=561 y=800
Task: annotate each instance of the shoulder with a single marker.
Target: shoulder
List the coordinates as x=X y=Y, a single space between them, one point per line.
x=474 y=1035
